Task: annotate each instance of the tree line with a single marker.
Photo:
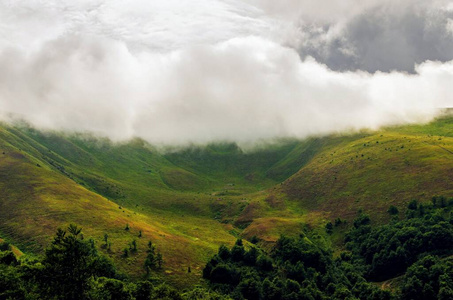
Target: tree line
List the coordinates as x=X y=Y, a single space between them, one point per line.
x=417 y=247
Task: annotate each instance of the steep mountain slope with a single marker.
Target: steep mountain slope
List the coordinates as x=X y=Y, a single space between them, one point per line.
x=38 y=195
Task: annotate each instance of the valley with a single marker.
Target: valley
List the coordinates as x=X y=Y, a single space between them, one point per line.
x=190 y=200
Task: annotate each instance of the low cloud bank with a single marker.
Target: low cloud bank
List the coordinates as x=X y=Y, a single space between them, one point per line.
x=234 y=85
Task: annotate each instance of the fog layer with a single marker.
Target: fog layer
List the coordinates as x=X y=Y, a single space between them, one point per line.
x=174 y=72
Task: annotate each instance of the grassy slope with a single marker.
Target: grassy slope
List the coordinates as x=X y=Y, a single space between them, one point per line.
x=372 y=172
x=178 y=198
x=37 y=197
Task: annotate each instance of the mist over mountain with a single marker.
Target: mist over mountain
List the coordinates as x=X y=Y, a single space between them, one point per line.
x=175 y=72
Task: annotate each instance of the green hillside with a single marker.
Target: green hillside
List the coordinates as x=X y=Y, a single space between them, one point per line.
x=188 y=201
x=366 y=171
x=374 y=171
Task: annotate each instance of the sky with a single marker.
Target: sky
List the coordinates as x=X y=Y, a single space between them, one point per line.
x=176 y=72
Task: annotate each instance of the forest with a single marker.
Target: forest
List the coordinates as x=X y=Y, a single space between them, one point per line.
x=416 y=250
x=408 y=258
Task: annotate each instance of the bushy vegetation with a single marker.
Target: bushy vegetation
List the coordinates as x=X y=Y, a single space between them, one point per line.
x=304 y=268
x=387 y=251
x=297 y=268
x=428 y=278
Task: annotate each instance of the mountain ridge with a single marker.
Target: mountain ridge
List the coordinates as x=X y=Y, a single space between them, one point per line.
x=201 y=197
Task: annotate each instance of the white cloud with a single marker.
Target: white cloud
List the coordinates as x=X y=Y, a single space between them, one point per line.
x=174 y=73
x=450 y=26
x=162 y=25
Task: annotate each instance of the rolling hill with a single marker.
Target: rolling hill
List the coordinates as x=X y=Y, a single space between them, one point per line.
x=367 y=171
x=190 y=200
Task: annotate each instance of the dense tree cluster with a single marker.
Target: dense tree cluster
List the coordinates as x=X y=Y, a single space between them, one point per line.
x=301 y=268
x=429 y=278
x=296 y=269
x=387 y=251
